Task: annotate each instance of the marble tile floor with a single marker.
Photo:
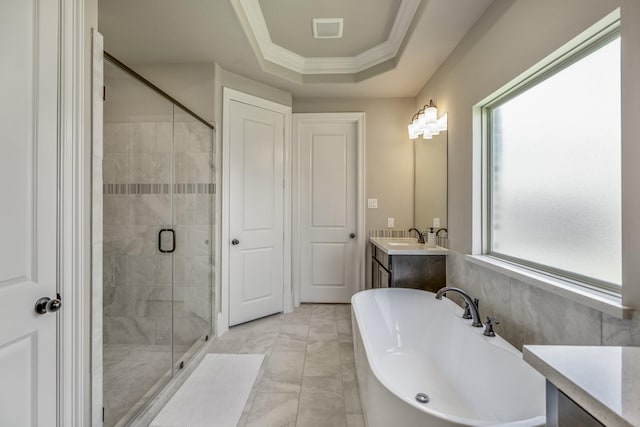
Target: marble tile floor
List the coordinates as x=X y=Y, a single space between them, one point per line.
x=131 y=374
x=308 y=375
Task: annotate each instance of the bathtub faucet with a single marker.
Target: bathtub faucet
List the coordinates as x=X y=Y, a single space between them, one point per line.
x=475 y=314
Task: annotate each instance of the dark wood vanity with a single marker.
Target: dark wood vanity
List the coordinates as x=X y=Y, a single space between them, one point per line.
x=395 y=269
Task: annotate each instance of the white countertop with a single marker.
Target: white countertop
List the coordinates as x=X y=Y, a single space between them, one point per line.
x=406 y=246
x=605 y=381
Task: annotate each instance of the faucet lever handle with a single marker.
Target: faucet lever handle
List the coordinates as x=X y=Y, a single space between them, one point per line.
x=467 y=311
x=488 y=330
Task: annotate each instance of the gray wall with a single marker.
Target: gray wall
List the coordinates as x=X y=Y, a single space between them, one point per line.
x=507 y=40
x=193 y=85
x=529 y=315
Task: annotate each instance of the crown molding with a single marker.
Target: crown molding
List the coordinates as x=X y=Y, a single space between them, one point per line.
x=252 y=19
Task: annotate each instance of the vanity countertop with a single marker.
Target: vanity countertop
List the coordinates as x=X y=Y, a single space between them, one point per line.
x=604 y=381
x=405 y=246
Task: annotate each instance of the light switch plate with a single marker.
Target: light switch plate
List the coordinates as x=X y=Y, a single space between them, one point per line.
x=436 y=222
x=372 y=203
x=391 y=222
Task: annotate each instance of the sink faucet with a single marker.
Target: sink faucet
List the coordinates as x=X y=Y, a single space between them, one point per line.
x=440 y=230
x=475 y=314
x=420 y=235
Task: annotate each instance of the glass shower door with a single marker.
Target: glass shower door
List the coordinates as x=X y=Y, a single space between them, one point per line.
x=193 y=213
x=138 y=278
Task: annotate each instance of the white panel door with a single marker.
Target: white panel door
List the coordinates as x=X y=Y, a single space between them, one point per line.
x=328 y=226
x=256 y=222
x=28 y=177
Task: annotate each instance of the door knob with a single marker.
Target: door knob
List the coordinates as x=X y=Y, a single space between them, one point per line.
x=46 y=305
x=235 y=242
x=352 y=235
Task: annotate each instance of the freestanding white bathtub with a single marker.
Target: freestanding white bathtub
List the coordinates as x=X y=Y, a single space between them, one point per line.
x=407 y=342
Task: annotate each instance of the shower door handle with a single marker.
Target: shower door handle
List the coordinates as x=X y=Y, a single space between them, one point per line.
x=173 y=240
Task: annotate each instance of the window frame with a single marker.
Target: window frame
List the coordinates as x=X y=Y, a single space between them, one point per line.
x=574 y=55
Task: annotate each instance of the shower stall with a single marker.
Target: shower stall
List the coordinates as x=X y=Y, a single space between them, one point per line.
x=158 y=197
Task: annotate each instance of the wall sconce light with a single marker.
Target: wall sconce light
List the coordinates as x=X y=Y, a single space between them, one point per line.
x=425 y=122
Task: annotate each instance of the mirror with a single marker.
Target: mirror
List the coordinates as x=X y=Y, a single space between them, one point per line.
x=430 y=181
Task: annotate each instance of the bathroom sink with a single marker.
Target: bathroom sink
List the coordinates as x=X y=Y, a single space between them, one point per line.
x=405 y=246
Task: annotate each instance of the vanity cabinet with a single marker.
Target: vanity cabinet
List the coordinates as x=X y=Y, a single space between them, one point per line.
x=426 y=272
x=564 y=412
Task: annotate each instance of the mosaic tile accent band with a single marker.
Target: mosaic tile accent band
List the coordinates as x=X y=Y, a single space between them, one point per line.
x=391 y=233
x=400 y=234
x=202 y=188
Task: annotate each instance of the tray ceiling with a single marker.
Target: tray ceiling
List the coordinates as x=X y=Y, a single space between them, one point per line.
x=169 y=32
x=280 y=33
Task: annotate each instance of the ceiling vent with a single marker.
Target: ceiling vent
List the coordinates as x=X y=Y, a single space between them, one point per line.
x=327 y=28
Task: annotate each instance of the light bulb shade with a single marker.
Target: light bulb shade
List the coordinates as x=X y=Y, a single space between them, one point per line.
x=442 y=122
x=413 y=131
x=432 y=128
x=422 y=119
x=431 y=115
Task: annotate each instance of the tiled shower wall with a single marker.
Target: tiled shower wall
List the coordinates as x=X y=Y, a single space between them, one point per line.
x=138 y=181
x=529 y=315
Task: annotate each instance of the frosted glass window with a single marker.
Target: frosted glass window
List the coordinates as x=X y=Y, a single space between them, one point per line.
x=555 y=179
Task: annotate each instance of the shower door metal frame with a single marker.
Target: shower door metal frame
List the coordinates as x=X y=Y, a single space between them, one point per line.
x=146 y=82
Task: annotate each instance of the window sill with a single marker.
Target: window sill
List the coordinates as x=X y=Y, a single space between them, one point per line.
x=600 y=301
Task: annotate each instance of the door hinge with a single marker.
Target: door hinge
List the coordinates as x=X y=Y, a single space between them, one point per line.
x=104 y=93
x=103 y=414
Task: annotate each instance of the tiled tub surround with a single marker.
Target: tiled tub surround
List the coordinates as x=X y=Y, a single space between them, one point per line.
x=529 y=315
x=308 y=376
x=156 y=175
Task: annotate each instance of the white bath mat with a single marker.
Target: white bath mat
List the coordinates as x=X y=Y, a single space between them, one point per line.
x=214 y=395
